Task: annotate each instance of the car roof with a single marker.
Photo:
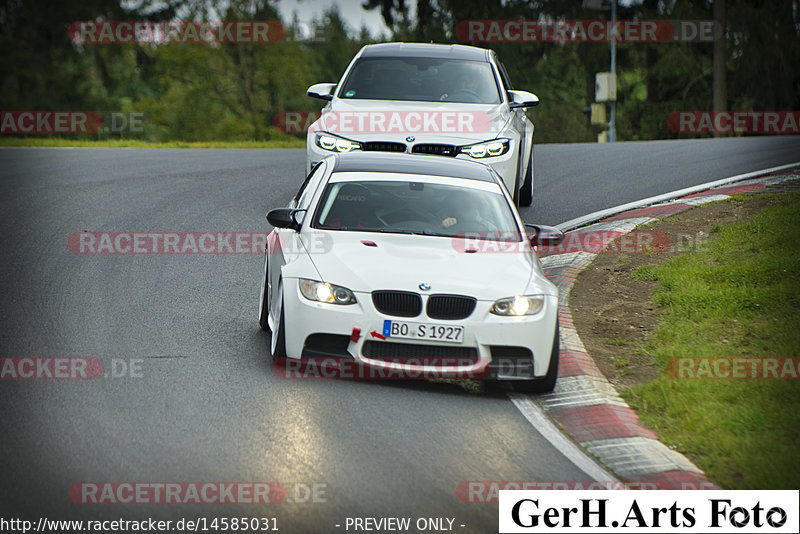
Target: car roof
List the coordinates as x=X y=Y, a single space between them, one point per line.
x=412 y=164
x=425 y=50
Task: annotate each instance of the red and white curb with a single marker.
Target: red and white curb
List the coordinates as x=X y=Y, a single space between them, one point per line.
x=584 y=402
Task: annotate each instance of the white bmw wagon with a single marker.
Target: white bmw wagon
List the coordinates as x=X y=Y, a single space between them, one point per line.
x=446 y=100
x=411 y=263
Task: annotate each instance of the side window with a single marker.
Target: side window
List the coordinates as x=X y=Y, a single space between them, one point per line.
x=303 y=195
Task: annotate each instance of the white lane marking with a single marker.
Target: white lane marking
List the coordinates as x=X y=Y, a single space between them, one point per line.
x=536 y=417
x=602 y=214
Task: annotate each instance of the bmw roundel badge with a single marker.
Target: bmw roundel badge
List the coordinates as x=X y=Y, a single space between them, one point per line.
x=410 y=139
x=424 y=287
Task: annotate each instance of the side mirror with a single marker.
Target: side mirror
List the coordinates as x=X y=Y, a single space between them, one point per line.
x=544 y=236
x=321 y=91
x=522 y=99
x=286 y=218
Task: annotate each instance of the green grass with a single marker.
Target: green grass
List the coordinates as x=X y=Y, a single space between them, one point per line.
x=622 y=365
x=284 y=141
x=645 y=272
x=737 y=297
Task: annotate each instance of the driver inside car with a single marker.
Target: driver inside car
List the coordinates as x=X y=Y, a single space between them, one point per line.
x=467 y=88
x=466 y=212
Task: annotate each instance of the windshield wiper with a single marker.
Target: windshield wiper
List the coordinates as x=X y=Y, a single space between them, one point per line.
x=392 y=231
x=432 y=234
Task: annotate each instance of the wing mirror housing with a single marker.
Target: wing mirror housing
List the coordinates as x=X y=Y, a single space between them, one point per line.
x=321 y=91
x=522 y=99
x=286 y=218
x=544 y=236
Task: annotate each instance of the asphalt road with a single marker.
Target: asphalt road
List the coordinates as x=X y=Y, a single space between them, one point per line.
x=203 y=403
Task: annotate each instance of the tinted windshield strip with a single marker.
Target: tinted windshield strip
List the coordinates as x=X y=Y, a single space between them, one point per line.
x=416 y=208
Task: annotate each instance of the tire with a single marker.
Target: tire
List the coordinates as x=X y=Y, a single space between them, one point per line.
x=526 y=192
x=278 y=341
x=263 y=316
x=548 y=382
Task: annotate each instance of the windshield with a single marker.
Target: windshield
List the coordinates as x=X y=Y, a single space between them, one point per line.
x=422 y=80
x=404 y=207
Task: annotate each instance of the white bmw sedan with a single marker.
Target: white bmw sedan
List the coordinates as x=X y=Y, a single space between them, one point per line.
x=446 y=100
x=414 y=264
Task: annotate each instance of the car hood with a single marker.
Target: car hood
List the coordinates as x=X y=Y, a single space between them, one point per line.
x=467 y=122
x=403 y=262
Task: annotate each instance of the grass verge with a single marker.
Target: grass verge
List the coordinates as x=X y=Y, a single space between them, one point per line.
x=736 y=297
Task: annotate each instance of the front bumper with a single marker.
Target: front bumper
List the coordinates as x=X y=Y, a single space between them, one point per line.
x=491 y=346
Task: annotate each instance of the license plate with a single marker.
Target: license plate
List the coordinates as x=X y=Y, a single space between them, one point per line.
x=423 y=331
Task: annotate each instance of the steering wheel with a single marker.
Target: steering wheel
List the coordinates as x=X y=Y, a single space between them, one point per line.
x=460 y=95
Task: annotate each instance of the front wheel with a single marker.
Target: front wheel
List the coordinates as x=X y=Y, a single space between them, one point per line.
x=548 y=382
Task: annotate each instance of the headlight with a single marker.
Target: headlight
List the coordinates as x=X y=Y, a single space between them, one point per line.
x=516 y=306
x=487 y=149
x=324 y=292
x=335 y=143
